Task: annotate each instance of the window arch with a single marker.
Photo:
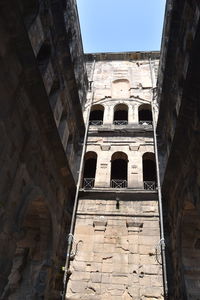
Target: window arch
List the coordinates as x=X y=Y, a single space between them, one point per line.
x=96 y=115
x=120 y=88
x=120 y=114
x=145 y=114
x=119 y=170
x=89 y=172
x=149 y=171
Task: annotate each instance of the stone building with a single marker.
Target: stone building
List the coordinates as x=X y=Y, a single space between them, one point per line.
x=117 y=253
x=42 y=89
x=179 y=142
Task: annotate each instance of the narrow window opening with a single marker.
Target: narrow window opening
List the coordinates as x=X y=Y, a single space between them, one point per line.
x=121 y=114
x=119 y=165
x=145 y=114
x=149 y=171
x=43 y=56
x=96 y=115
x=89 y=170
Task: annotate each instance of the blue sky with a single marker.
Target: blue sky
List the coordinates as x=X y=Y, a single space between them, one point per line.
x=121 y=25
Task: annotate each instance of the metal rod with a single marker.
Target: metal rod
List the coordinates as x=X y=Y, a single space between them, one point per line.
x=162 y=237
x=70 y=236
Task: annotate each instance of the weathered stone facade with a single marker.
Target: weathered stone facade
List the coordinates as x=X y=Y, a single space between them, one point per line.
x=41 y=126
x=117 y=222
x=178 y=132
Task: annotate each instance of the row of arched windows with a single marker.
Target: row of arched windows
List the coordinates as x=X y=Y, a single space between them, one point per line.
x=120 y=114
x=119 y=170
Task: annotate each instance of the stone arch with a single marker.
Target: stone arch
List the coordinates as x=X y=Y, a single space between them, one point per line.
x=32 y=261
x=149 y=170
x=121 y=114
x=119 y=170
x=145 y=114
x=120 y=89
x=96 y=114
x=89 y=173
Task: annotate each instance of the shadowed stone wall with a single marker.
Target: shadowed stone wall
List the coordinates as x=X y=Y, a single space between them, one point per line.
x=178 y=132
x=41 y=126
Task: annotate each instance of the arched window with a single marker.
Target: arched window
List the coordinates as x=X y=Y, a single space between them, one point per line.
x=119 y=166
x=145 y=114
x=121 y=114
x=89 y=170
x=149 y=171
x=96 y=115
x=120 y=89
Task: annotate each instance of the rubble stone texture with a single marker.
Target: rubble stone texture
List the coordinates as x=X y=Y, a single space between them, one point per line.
x=116 y=252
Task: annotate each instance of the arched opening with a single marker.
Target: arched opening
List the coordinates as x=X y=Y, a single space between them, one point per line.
x=43 y=56
x=96 y=115
x=89 y=170
x=31 y=270
x=190 y=252
x=145 y=114
x=121 y=114
x=120 y=89
x=119 y=168
x=149 y=171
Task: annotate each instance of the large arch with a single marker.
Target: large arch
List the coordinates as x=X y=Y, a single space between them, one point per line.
x=120 y=114
x=31 y=266
x=96 y=115
x=89 y=173
x=149 y=170
x=120 y=89
x=145 y=114
x=119 y=170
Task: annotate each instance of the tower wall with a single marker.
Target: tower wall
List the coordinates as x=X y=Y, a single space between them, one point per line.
x=117 y=224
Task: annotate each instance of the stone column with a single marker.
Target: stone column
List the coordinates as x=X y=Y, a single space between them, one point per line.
x=134 y=168
x=132 y=114
x=108 y=115
x=103 y=170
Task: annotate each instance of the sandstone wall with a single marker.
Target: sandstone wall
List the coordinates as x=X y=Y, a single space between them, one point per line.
x=116 y=250
x=117 y=227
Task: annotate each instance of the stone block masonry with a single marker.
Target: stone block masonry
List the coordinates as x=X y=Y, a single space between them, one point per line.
x=116 y=251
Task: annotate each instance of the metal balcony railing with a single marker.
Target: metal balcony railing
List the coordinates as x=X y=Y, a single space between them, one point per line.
x=120 y=122
x=150 y=185
x=145 y=122
x=119 y=183
x=88 y=183
x=95 y=122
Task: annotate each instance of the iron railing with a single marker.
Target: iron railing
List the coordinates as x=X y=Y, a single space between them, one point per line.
x=120 y=122
x=145 y=122
x=119 y=183
x=150 y=185
x=95 y=122
x=88 y=183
